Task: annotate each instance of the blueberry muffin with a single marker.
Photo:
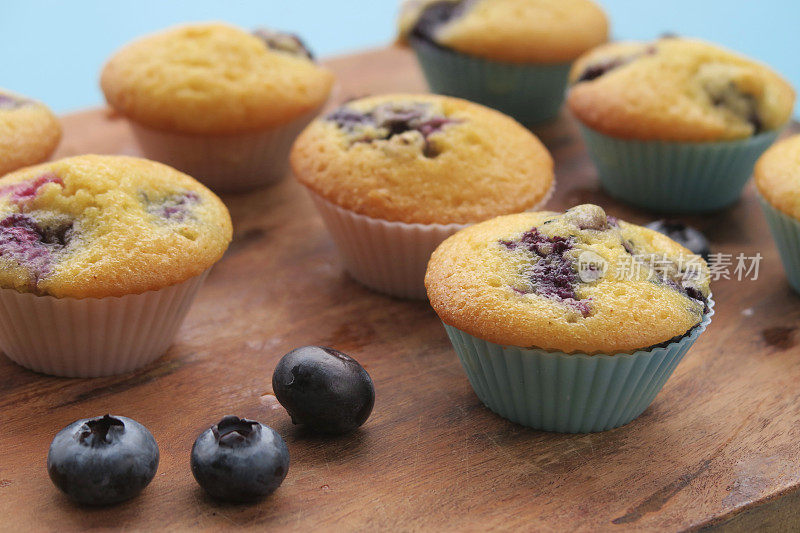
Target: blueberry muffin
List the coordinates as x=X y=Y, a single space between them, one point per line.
x=512 y=55
x=218 y=101
x=96 y=226
x=100 y=259
x=395 y=175
x=29 y=132
x=676 y=124
x=777 y=176
x=423 y=159
x=676 y=89
x=578 y=297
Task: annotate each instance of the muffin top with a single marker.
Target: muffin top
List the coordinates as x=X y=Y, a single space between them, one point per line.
x=676 y=89
x=777 y=176
x=215 y=79
x=96 y=226
x=423 y=158
x=29 y=132
x=515 y=31
x=573 y=281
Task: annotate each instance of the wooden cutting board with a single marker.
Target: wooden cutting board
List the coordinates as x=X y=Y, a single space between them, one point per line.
x=720 y=446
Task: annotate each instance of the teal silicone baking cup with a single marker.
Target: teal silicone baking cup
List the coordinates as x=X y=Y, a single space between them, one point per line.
x=675 y=177
x=568 y=393
x=530 y=93
x=786 y=232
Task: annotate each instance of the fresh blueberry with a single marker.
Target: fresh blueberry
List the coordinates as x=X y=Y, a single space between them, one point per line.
x=102 y=460
x=696 y=242
x=239 y=460
x=323 y=389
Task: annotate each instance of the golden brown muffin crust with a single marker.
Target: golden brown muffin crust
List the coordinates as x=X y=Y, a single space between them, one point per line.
x=212 y=79
x=516 y=31
x=677 y=89
x=423 y=159
x=777 y=176
x=97 y=226
x=574 y=281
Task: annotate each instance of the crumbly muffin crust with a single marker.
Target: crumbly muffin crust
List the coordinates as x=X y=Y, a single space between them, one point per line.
x=97 y=226
x=777 y=176
x=423 y=159
x=516 y=31
x=214 y=79
x=573 y=281
x=677 y=89
x=29 y=132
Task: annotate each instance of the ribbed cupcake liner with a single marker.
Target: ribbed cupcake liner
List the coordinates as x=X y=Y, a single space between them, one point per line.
x=226 y=163
x=389 y=257
x=568 y=393
x=92 y=337
x=786 y=232
x=675 y=177
x=528 y=92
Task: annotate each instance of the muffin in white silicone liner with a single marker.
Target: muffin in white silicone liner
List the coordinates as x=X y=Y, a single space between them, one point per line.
x=100 y=259
x=217 y=102
x=395 y=175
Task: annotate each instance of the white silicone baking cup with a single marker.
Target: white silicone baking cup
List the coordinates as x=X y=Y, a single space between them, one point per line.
x=226 y=163
x=389 y=257
x=92 y=337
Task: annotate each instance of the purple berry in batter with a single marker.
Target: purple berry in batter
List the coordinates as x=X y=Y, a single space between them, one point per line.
x=29 y=189
x=595 y=70
x=31 y=245
x=554 y=274
x=9 y=102
x=284 y=42
x=174 y=207
x=436 y=15
x=390 y=119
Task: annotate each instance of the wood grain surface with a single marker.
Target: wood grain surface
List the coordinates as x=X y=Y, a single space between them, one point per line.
x=719 y=447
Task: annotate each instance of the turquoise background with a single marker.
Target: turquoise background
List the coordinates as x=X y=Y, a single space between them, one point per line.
x=53 y=50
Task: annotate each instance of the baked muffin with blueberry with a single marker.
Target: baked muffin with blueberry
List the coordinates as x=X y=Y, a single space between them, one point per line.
x=676 y=124
x=29 y=132
x=394 y=175
x=101 y=257
x=217 y=101
x=511 y=55
x=777 y=177
x=568 y=321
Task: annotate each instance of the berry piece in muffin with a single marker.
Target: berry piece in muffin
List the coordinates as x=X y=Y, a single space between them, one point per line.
x=9 y=101
x=573 y=281
x=412 y=122
x=288 y=43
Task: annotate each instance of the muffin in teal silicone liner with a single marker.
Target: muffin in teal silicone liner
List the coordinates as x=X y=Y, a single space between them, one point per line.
x=511 y=55
x=676 y=125
x=777 y=176
x=568 y=322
